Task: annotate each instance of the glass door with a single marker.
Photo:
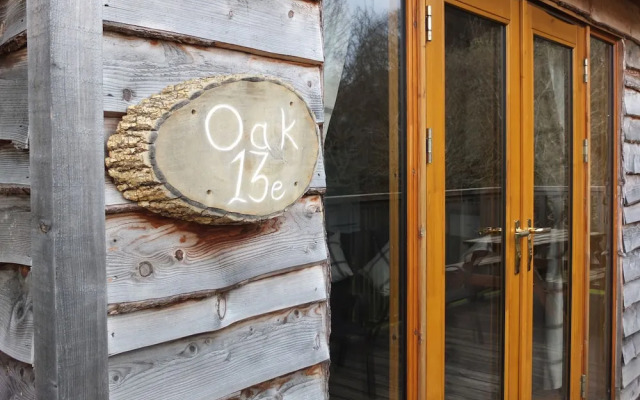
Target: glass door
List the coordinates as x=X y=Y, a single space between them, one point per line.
x=506 y=202
x=474 y=204
x=554 y=197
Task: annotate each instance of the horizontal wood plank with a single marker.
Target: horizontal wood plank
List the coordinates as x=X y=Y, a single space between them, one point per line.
x=306 y=246
x=136 y=68
x=306 y=384
x=150 y=257
x=16 y=314
x=290 y=28
x=631 y=320
x=631 y=189
x=17 y=379
x=631 y=213
x=14 y=118
x=217 y=312
x=14 y=166
x=13 y=19
x=15 y=229
x=630 y=371
x=630 y=348
x=215 y=365
x=631 y=266
x=631 y=237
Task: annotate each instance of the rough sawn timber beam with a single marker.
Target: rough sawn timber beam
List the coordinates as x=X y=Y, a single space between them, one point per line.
x=67 y=199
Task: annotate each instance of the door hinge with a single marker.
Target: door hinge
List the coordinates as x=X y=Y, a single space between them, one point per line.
x=429 y=146
x=428 y=24
x=585 y=150
x=583 y=386
x=586 y=70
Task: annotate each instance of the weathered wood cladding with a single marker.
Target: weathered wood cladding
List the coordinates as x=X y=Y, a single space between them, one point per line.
x=13 y=23
x=217 y=312
x=15 y=229
x=281 y=28
x=17 y=379
x=16 y=337
x=630 y=132
x=221 y=363
x=163 y=324
x=135 y=68
x=309 y=383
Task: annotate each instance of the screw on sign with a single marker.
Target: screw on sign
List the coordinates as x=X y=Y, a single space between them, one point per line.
x=231 y=149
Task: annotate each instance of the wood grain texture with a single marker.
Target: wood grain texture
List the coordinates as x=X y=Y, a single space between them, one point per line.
x=17 y=379
x=631 y=213
x=631 y=391
x=631 y=189
x=15 y=230
x=217 y=312
x=630 y=237
x=631 y=266
x=631 y=293
x=67 y=199
x=631 y=320
x=221 y=363
x=290 y=28
x=306 y=384
x=14 y=166
x=14 y=118
x=630 y=348
x=136 y=68
x=151 y=257
x=13 y=19
x=16 y=312
x=630 y=371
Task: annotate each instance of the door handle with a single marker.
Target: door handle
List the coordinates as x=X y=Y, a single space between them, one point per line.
x=519 y=233
x=532 y=232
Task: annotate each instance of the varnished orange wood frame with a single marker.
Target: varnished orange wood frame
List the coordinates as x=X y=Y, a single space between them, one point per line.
x=416 y=206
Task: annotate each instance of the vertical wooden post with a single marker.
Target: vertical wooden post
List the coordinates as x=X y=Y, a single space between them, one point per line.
x=67 y=198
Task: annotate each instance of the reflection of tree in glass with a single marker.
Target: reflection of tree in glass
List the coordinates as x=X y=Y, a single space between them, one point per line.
x=474 y=101
x=356 y=148
x=552 y=113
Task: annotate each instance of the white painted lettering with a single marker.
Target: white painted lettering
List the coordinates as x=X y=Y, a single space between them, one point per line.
x=210 y=136
x=285 y=132
x=277 y=186
x=258 y=177
x=237 y=197
x=262 y=126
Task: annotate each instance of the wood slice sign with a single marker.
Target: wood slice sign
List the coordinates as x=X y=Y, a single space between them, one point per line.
x=219 y=150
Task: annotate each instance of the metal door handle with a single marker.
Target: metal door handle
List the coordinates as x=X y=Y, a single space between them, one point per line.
x=520 y=233
x=532 y=231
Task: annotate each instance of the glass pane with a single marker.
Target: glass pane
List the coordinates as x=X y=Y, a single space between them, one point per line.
x=601 y=268
x=552 y=209
x=365 y=200
x=474 y=112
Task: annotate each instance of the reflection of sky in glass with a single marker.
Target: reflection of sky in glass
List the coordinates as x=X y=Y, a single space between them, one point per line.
x=378 y=6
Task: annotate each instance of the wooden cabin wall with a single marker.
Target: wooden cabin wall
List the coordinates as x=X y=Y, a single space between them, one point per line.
x=16 y=317
x=195 y=311
x=630 y=329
